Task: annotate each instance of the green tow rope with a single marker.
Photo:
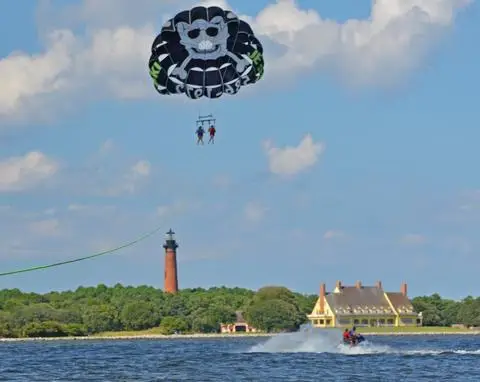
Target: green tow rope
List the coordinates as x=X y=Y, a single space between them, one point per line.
x=83 y=258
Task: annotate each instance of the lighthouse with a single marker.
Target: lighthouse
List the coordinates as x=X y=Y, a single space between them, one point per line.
x=171 y=275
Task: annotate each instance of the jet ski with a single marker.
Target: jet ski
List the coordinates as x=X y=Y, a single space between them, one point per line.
x=357 y=340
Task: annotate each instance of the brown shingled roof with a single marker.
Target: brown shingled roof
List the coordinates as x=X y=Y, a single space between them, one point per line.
x=400 y=302
x=353 y=298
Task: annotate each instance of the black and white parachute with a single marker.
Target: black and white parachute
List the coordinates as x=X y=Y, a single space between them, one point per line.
x=205 y=51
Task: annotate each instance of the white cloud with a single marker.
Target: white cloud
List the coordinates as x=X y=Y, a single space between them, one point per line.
x=458 y=245
x=298 y=234
x=5 y=208
x=50 y=211
x=204 y=254
x=292 y=160
x=141 y=169
x=96 y=176
x=135 y=176
x=414 y=239
x=24 y=76
x=23 y=172
x=90 y=210
x=110 y=59
x=107 y=146
x=215 y=3
x=105 y=63
x=254 y=211
x=222 y=181
x=377 y=50
x=470 y=200
x=73 y=231
x=105 y=172
x=77 y=207
x=47 y=227
x=176 y=208
x=333 y=234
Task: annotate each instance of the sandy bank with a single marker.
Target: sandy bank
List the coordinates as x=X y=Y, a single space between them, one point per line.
x=465 y=333
x=136 y=337
x=200 y=336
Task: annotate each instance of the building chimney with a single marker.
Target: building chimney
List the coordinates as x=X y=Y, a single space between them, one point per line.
x=358 y=285
x=322 y=297
x=379 y=285
x=171 y=276
x=339 y=285
x=403 y=289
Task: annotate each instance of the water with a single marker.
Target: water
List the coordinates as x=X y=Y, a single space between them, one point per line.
x=303 y=356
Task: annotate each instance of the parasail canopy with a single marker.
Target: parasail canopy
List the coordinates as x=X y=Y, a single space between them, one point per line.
x=205 y=52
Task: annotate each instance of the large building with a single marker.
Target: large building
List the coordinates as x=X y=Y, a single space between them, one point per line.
x=363 y=306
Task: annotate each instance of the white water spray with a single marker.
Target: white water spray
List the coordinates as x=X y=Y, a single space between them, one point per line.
x=315 y=340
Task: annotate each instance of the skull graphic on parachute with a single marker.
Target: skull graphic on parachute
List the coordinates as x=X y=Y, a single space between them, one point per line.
x=205 y=51
x=206 y=40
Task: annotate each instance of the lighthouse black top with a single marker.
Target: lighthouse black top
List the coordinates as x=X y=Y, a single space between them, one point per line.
x=170 y=242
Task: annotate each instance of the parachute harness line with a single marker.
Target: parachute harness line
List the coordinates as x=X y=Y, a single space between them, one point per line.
x=116 y=249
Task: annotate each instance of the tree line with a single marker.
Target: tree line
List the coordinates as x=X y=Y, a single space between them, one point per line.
x=438 y=311
x=91 y=310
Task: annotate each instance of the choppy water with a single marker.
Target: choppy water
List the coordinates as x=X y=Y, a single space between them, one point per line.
x=293 y=357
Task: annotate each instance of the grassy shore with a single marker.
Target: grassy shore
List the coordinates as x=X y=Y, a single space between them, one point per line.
x=371 y=331
x=138 y=335
x=156 y=334
x=414 y=330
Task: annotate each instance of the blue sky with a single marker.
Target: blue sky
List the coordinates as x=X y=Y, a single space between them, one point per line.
x=355 y=157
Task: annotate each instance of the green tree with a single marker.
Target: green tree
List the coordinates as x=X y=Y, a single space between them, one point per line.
x=100 y=318
x=430 y=313
x=176 y=305
x=469 y=311
x=34 y=313
x=7 y=329
x=172 y=325
x=274 y=315
x=75 y=330
x=437 y=311
x=139 y=315
x=44 y=329
x=94 y=309
x=209 y=320
x=306 y=304
x=275 y=293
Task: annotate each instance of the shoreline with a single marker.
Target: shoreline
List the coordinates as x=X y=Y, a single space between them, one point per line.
x=218 y=336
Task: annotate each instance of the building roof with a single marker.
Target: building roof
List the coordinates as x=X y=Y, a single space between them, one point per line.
x=400 y=302
x=240 y=319
x=364 y=300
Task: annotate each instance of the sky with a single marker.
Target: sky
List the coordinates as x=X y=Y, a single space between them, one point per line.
x=355 y=157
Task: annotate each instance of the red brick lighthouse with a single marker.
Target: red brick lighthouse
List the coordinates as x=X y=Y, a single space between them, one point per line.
x=171 y=275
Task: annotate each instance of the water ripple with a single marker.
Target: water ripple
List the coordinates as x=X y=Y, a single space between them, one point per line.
x=295 y=357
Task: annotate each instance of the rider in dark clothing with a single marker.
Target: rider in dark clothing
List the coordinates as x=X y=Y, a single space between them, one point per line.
x=200 y=131
x=353 y=335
